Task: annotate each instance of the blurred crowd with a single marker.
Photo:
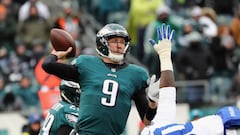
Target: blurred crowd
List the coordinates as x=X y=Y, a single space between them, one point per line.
x=206 y=45
x=24 y=41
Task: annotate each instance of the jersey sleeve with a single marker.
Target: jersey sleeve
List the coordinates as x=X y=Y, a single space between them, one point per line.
x=209 y=125
x=166 y=110
x=83 y=62
x=141 y=76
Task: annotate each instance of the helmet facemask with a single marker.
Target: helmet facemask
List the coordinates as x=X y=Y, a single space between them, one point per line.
x=73 y=99
x=70 y=92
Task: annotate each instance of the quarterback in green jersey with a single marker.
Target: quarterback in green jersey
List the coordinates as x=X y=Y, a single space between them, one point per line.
x=63 y=115
x=108 y=83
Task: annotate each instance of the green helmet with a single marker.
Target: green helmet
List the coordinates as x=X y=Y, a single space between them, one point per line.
x=70 y=92
x=107 y=32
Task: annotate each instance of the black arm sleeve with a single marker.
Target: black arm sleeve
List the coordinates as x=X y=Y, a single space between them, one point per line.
x=64 y=130
x=63 y=71
x=141 y=103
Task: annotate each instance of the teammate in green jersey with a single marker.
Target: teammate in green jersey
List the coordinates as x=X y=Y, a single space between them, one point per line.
x=63 y=115
x=108 y=83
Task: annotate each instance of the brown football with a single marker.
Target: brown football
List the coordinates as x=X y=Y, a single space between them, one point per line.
x=61 y=40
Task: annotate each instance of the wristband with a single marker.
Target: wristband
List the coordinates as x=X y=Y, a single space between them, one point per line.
x=166 y=63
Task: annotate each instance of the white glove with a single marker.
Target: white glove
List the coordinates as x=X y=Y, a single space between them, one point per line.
x=164 y=46
x=153 y=89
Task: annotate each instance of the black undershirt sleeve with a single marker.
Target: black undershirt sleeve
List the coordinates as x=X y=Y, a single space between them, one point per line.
x=64 y=130
x=63 y=71
x=141 y=103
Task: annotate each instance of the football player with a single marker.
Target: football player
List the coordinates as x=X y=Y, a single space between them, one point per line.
x=164 y=92
x=63 y=115
x=108 y=83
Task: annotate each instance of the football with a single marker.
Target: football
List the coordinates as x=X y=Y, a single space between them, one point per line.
x=61 y=40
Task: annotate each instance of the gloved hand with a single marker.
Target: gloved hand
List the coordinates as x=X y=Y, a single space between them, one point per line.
x=153 y=88
x=164 y=46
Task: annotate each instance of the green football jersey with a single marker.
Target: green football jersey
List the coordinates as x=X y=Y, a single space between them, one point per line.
x=106 y=95
x=62 y=113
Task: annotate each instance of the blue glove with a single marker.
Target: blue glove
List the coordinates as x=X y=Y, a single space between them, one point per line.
x=162 y=34
x=230 y=116
x=164 y=46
